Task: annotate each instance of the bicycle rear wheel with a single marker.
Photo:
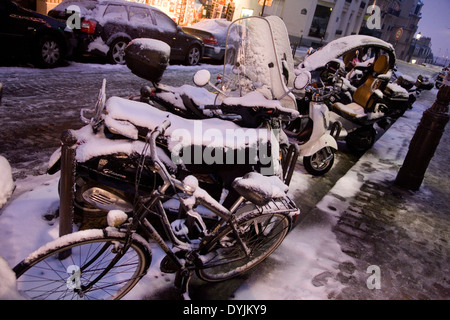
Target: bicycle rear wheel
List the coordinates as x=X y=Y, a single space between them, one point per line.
x=261 y=234
x=86 y=271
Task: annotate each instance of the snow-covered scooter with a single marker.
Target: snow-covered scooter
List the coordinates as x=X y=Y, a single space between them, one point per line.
x=310 y=130
x=214 y=150
x=251 y=64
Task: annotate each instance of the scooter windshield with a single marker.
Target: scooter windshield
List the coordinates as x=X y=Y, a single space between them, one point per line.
x=252 y=62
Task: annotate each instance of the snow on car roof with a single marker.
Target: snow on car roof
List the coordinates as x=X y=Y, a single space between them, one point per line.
x=215 y=26
x=338 y=47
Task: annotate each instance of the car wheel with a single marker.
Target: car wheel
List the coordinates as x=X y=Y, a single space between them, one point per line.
x=116 y=54
x=194 y=55
x=49 y=52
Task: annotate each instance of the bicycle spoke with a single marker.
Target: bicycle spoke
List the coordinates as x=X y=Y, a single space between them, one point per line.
x=89 y=272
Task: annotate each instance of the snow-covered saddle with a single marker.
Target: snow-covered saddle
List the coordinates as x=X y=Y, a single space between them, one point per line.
x=126 y=116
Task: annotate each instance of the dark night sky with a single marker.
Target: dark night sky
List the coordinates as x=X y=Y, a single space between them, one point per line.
x=435 y=23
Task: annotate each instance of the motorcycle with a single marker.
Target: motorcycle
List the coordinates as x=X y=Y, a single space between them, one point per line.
x=359 y=104
x=310 y=130
x=243 y=73
x=412 y=87
x=214 y=150
x=440 y=78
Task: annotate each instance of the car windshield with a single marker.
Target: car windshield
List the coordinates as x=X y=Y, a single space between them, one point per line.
x=252 y=61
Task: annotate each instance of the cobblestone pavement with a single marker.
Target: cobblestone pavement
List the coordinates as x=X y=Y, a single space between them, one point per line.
x=38 y=105
x=403 y=233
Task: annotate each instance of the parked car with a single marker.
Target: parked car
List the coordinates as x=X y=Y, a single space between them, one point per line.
x=108 y=26
x=38 y=38
x=213 y=32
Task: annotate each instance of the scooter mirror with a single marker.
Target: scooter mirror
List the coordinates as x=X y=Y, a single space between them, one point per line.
x=302 y=80
x=202 y=77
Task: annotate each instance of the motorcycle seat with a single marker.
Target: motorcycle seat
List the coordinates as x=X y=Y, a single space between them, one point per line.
x=126 y=116
x=367 y=95
x=352 y=109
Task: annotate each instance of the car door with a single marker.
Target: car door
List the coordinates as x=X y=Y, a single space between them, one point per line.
x=142 y=22
x=115 y=21
x=168 y=31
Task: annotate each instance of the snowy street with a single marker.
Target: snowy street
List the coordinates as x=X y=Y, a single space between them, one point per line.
x=318 y=260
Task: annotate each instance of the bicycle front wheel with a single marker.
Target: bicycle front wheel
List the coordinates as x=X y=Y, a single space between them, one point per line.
x=259 y=235
x=83 y=265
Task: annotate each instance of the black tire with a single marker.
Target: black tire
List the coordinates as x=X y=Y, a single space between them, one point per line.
x=319 y=163
x=60 y=268
x=49 y=52
x=116 y=53
x=262 y=233
x=194 y=55
x=361 y=140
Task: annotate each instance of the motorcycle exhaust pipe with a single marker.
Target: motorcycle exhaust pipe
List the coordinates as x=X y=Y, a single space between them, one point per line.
x=106 y=200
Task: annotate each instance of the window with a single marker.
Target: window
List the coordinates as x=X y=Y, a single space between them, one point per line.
x=164 y=22
x=246 y=12
x=116 y=12
x=140 y=15
x=320 y=21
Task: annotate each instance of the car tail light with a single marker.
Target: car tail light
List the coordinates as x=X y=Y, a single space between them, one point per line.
x=211 y=40
x=88 y=26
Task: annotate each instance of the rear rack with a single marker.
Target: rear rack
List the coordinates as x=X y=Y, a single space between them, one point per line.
x=280 y=205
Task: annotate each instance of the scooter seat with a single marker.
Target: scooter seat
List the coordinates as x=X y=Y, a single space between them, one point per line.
x=352 y=109
x=123 y=115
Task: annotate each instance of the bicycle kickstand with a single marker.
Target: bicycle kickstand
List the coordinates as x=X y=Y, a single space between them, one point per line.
x=182 y=279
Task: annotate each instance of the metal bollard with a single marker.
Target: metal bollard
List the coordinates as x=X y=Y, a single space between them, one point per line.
x=425 y=142
x=66 y=195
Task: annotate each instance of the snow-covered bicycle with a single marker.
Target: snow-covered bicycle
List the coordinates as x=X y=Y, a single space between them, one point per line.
x=108 y=263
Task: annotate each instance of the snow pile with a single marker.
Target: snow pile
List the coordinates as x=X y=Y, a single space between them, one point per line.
x=6 y=181
x=152 y=45
x=172 y=95
x=98 y=44
x=8 y=288
x=271 y=186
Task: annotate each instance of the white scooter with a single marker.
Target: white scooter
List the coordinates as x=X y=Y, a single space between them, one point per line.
x=310 y=131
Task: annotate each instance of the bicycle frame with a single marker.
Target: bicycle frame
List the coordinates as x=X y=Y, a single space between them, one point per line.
x=152 y=204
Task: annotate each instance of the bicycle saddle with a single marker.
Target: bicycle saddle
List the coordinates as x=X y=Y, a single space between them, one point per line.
x=260 y=189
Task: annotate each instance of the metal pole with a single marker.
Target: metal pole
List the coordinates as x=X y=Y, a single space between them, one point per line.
x=68 y=150
x=425 y=142
x=264 y=6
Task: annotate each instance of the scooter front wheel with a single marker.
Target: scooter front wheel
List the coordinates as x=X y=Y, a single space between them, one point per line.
x=320 y=162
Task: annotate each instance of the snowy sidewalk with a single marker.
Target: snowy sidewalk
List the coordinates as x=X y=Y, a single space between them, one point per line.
x=368 y=239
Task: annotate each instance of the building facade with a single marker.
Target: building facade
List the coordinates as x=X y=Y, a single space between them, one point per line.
x=421 y=51
x=399 y=23
x=316 y=22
